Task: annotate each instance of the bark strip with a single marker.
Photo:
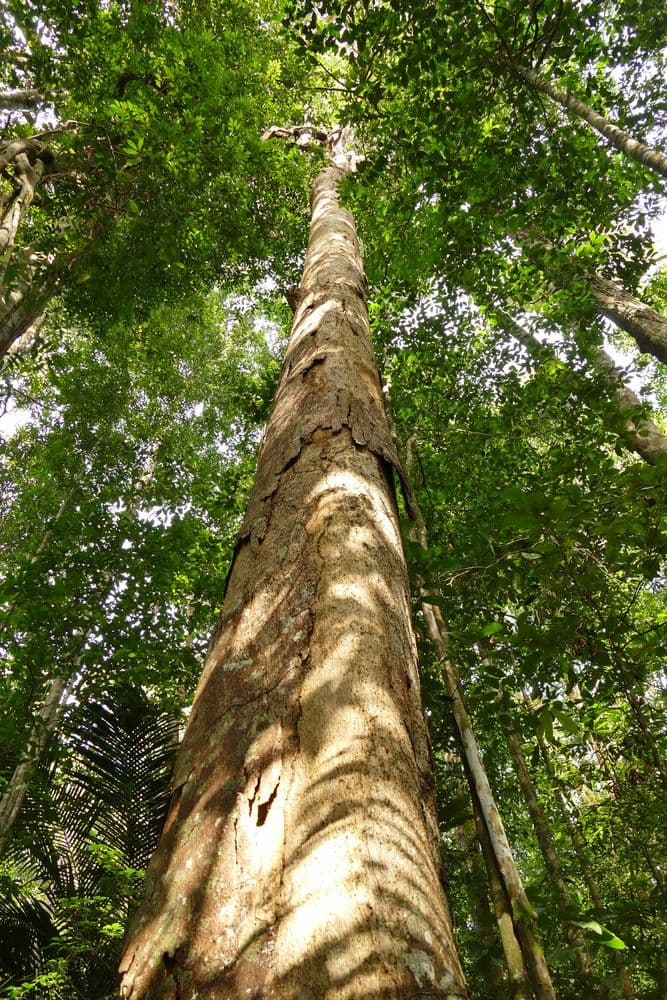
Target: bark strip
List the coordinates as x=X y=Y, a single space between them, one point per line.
x=300 y=857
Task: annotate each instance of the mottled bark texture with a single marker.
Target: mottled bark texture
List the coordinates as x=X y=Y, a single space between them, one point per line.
x=21 y=100
x=45 y=725
x=623 y=141
x=300 y=857
x=24 y=163
x=645 y=325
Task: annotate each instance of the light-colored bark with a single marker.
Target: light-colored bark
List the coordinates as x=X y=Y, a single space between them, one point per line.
x=523 y=915
x=51 y=713
x=646 y=326
x=622 y=140
x=21 y=100
x=25 y=299
x=516 y=969
x=642 y=435
x=45 y=725
x=300 y=857
x=481 y=925
x=27 y=176
x=522 y=911
x=22 y=312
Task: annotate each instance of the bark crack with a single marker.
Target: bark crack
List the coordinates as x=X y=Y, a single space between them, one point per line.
x=263 y=807
x=251 y=800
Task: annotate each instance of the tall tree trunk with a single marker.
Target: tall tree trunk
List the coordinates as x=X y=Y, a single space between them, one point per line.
x=301 y=853
x=546 y=843
x=623 y=141
x=522 y=911
x=45 y=725
x=642 y=435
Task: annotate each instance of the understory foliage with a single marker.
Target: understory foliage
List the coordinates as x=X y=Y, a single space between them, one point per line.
x=148 y=270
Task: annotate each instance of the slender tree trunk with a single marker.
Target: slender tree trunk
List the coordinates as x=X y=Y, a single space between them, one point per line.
x=21 y=100
x=516 y=969
x=482 y=795
x=481 y=919
x=646 y=326
x=300 y=857
x=624 y=142
x=546 y=843
x=521 y=909
x=54 y=705
x=46 y=724
x=642 y=435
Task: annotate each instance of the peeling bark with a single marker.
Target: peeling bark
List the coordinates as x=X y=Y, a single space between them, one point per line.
x=623 y=141
x=300 y=857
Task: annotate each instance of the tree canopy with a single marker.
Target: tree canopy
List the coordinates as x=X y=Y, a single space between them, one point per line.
x=149 y=245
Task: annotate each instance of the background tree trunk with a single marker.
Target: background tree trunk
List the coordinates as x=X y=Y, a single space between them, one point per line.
x=644 y=437
x=301 y=853
x=647 y=327
x=623 y=141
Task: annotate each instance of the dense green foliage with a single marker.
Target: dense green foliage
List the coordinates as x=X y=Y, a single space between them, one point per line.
x=160 y=240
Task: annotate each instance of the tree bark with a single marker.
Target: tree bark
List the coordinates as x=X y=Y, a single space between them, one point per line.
x=300 y=857
x=46 y=724
x=481 y=923
x=522 y=911
x=516 y=968
x=622 y=140
x=646 y=326
x=21 y=100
